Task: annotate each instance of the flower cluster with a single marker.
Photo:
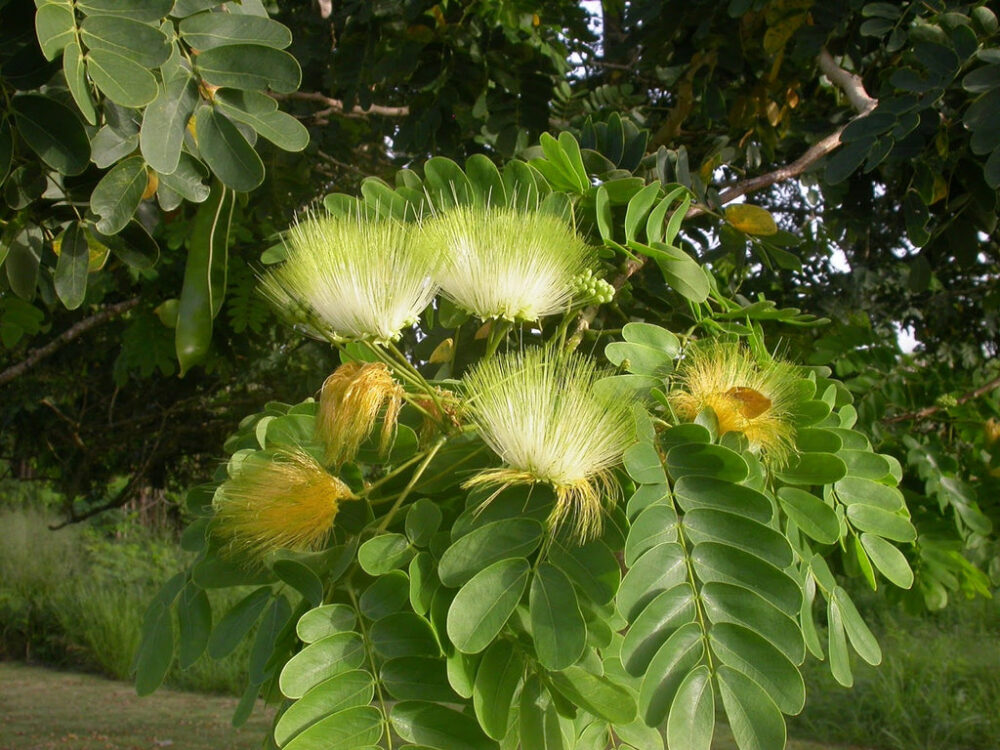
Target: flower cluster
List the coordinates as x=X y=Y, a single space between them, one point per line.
x=356 y=277
x=750 y=397
x=544 y=415
x=507 y=264
x=285 y=501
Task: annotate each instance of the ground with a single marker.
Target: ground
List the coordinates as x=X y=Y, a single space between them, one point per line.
x=45 y=709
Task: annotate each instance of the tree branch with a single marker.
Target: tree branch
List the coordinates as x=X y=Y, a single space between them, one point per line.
x=928 y=411
x=336 y=106
x=74 y=331
x=863 y=103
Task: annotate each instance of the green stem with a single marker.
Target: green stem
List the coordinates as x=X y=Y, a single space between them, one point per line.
x=392 y=474
x=387 y=518
x=498 y=332
x=699 y=611
x=424 y=384
x=371 y=661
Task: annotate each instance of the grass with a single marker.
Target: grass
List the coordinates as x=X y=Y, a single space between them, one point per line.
x=938 y=686
x=76 y=598
x=44 y=709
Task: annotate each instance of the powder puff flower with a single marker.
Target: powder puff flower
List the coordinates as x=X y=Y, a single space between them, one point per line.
x=505 y=263
x=355 y=277
x=287 y=501
x=349 y=405
x=747 y=396
x=542 y=414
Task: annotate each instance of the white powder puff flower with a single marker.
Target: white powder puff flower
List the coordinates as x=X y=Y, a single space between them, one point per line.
x=505 y=263
x=542 y=414
x=354 y=277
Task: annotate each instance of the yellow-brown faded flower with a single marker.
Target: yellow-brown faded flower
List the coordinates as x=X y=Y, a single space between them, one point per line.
x=349 y=406
x=542 y=413
x=285 y=501
x=751 y=397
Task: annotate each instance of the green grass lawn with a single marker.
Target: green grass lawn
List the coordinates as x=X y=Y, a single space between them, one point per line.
x=45 y=709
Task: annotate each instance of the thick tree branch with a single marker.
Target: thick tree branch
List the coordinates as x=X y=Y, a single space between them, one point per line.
x=863 y=103
x=336 y=106
x=74 y=331
x=928 y=411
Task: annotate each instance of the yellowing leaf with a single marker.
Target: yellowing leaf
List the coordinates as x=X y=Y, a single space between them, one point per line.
x=751 y=219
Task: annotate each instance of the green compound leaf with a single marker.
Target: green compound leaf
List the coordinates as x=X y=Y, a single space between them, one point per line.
x=597 y=695
x=679 y=654
x=228 y=154
x=280 y=128
x=301 y=578
x=725 y=602
x=539 y=726
x=385 y=552
x=70 y=278
x=557 y=625
x=707 y=492
x=237 y=622
x=53 y=131
x=417 y=678
x=480 y=548
x=814 y=517
x=319 y=661
x=251 y=67
x=755 y=720
x=666 y=613
x=205 y=31
x=387 y=595
x=855 y=490
x=592 y=567
x=122 y=80
x=861 y=636
x=76 y=80
x=708 y=524
x=403 y=634
x=194 y=623
x=497 y=679
x=139 y=10
x=438 y=726
x=888 y=559
x=164 y=123
x=881 y=522
x=745 y=650
x=655 y=525
x=698 y=459
x=55 y=27
x=691 y=722
x=813 y=469
x=483 y=605
x=118 y=194
x=324 y=621
x=725 y=564
x=659 y=570
x=348 y=729
x=340 y=692
x=144 y=45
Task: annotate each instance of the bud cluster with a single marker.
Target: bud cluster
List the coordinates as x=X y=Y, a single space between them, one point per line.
x=592 y=289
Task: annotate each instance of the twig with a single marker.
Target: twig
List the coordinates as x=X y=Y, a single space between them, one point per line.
x=928 y=411
x=336 y=106
x=75 y=331
x=861 y=101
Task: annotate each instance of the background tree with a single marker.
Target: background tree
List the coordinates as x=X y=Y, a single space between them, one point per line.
x=863 y=128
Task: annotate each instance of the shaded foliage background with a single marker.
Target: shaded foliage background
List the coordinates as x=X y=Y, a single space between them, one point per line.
x=895 y=229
